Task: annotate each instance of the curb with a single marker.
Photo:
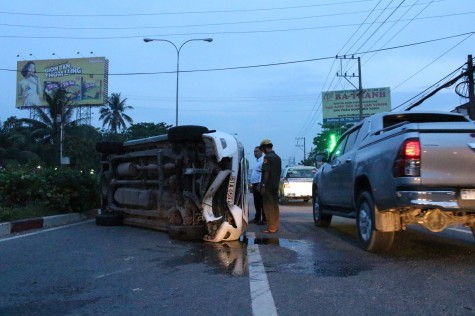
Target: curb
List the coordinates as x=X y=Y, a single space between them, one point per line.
x=42 y=222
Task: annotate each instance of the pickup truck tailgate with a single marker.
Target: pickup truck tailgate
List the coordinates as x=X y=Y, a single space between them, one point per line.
x=448 y=158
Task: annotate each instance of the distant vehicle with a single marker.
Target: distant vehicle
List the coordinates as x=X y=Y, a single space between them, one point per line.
x=395 y=169
x=296 y=184
x=191 y=183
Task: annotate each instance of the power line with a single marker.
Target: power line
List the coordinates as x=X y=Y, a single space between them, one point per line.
x=400 y=30
x=420 y=70
x=209 y=33
x=287 y=62
x=217 y=24
x=182 y=13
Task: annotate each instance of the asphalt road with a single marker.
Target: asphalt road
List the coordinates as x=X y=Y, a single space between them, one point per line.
x=84 y=269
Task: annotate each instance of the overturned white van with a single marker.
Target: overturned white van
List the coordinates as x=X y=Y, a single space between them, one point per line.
x=190 y=183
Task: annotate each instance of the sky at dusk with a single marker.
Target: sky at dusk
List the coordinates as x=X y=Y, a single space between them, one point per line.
x=263 y=74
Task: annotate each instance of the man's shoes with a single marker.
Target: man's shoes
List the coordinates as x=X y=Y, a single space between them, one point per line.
x=255 y=221
x=262 y=223
x=268 y=231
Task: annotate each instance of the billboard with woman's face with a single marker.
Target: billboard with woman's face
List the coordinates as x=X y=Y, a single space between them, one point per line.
x=84 y=79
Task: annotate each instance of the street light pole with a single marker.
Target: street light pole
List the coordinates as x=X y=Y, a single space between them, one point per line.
x=178 y=49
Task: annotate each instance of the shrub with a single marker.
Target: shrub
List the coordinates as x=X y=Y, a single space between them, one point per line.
x=58 y=189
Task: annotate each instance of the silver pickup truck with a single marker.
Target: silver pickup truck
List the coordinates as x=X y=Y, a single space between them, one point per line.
x=395 y=169
x=191 y=183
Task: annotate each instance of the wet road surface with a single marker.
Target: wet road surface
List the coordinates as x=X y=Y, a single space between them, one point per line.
x=301 y=270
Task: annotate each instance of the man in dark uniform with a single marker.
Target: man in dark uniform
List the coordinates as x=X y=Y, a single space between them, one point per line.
x=271 y=169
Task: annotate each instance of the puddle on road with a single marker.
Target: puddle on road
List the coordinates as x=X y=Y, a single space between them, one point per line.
x=290 y=256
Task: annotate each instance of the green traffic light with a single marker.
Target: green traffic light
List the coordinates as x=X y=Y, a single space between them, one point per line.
x=332 y=143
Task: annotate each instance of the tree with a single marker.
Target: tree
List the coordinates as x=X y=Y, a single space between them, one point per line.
x=16 y=144
x=112 y=113
x=46 y=128
x=143 y=130
x=323 y=141
x=80 y=144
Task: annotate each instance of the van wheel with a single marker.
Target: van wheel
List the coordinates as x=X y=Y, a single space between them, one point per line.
x=110 y=147
x=108 y=219
x=186 y=133
x=187 y=233
x=320 y=219
x=283 y=200
x=371 y=239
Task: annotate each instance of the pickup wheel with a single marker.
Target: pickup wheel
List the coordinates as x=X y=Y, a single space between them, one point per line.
x=371 y=239
x=320 y=219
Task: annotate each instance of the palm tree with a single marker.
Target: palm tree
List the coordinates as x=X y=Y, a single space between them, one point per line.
x=46 y=128
x=112 y=113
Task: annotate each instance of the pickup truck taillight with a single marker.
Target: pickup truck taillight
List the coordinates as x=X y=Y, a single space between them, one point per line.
x=408 y=160
x=286 y=183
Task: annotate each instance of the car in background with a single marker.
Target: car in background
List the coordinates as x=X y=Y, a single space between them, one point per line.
x=296 y=183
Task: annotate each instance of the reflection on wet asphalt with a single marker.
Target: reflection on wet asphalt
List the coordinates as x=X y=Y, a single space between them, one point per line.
x=279 y=255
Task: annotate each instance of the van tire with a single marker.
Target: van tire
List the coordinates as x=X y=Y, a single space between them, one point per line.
x=186 y=133
x=110 y=147
x=108 y=219
x=186 y=233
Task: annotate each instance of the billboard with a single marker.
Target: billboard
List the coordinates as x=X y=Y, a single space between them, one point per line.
x=343 y=106
x=84 y=79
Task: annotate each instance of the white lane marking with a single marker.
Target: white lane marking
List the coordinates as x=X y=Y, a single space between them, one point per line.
x=461 y=230
x=44 y=231
x=261 y=295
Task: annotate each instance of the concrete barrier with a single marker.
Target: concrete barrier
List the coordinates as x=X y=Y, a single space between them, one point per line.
x=8 y=228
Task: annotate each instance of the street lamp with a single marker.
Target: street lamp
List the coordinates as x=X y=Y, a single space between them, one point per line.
x=178 y=49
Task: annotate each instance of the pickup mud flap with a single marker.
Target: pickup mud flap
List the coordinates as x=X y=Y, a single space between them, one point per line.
x=387 y=221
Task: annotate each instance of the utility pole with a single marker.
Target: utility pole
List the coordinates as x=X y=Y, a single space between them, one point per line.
x=471 y=99
x=360 y=81
x=300 y=146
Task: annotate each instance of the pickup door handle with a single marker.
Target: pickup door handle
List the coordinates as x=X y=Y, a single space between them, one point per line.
x=336 y=163
x=348 y=160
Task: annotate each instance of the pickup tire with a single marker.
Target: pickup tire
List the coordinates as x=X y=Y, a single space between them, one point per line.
x=371 y=239
x=320 y=219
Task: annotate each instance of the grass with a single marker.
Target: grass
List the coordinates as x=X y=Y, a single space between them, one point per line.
x=13 y=214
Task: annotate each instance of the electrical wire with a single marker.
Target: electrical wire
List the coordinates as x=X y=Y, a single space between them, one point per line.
x=183 y=13
x=210 y=24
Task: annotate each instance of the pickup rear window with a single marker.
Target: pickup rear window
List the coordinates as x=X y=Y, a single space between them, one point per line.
x=390 y=120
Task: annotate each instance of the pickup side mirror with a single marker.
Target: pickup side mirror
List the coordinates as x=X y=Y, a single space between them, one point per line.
x=320 y=159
